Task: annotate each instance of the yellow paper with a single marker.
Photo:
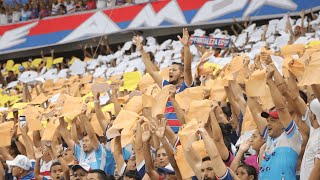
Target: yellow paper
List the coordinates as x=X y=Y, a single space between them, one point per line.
x=73 y=59
x=9 y=64
x=39 y=99
x=57 y=60
x=130 y=80
x=36 y=62
x=49 y=62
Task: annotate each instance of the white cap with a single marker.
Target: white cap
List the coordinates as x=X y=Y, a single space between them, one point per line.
x=84 y=166
x=20 y=161
x=315 y=108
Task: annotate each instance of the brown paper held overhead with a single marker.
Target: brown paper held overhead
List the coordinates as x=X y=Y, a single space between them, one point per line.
x=266 y=101
x=162 y=98
x=72 y=107
x=248 y=123
x=199 y=109
x=85 y=89
x=200 y=147
x=134 y=104
x=185 y=170
x=293 y=49
x=48 y=85
x=145 y=82
x=96 y=125
x=127 y=134
x=125 y=120
x=165 y=73
x=86 y=79
x=152 y=90
x=39 y=99
x=147 y=101
x=59 y=84
x=74 y=89
x=217 y=89
x=255 y=88
x=188 y=134
x=185 y=97
x=5 y=133
x=72 y=80
x=100 y=88
x=33 y=117
x=294 y=66
x=50 y=130
x=311 y=71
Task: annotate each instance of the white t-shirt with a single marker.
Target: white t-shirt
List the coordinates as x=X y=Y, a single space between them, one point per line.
x=312 y=151
x=4 y=18
x=45 y=169
x=111 y=3
x=70 y=7
x=101 y=4
x=16 y=15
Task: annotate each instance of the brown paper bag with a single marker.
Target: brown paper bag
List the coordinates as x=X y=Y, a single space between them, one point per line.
x=199 y=147
x=96 y=125
x=100 y=88
x=59 y=84
x=294 y=66
x=248 y=123
x=217 y=89
x=185 y=97
x=147 y=101
x=134 y=104
x=40 y=99
x=185 y=170
x=72 y=107
x=255 y=88
x=145 y=82
x=50 y=130
x=292 y=49
x=311 y=70
x=162 y=98
x=188 y=134
x=199 y=109
x=33 y=117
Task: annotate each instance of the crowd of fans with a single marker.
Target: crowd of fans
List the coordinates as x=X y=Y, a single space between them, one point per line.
x=16 y=11
x=247 y=112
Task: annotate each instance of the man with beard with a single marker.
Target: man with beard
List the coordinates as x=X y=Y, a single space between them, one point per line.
x=179 y=75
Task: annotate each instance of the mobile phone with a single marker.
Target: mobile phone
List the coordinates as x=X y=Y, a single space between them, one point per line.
x=22 y=121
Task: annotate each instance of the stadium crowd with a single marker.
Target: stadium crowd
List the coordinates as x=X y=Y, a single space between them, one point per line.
x=247 y=112
x=15 y=11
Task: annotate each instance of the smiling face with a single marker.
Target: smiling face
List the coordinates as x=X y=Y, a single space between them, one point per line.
x=87 y=146
x=161 y=158
x=274 y=126
x=175 y=74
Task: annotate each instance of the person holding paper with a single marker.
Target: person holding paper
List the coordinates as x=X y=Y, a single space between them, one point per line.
x=179 y=75
x=283 y=139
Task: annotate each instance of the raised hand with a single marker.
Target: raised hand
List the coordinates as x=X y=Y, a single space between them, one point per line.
x=146 y=133
x=161 y=128
x=244 y=147
x=270 y=71
x=185 y=37
x=137 y=41
x=246 y=61
x=172 y=91
x=38 y=153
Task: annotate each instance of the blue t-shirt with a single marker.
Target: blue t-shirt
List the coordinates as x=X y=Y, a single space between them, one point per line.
x=169 y=112
x=110 y=162
x=226 y=176
x=96 y=159
x=281 y=154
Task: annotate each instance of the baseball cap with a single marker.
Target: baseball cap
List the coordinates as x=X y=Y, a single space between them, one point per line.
x=83 y=166
x=20 y=161
x=272 y=113
x=162 y=170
